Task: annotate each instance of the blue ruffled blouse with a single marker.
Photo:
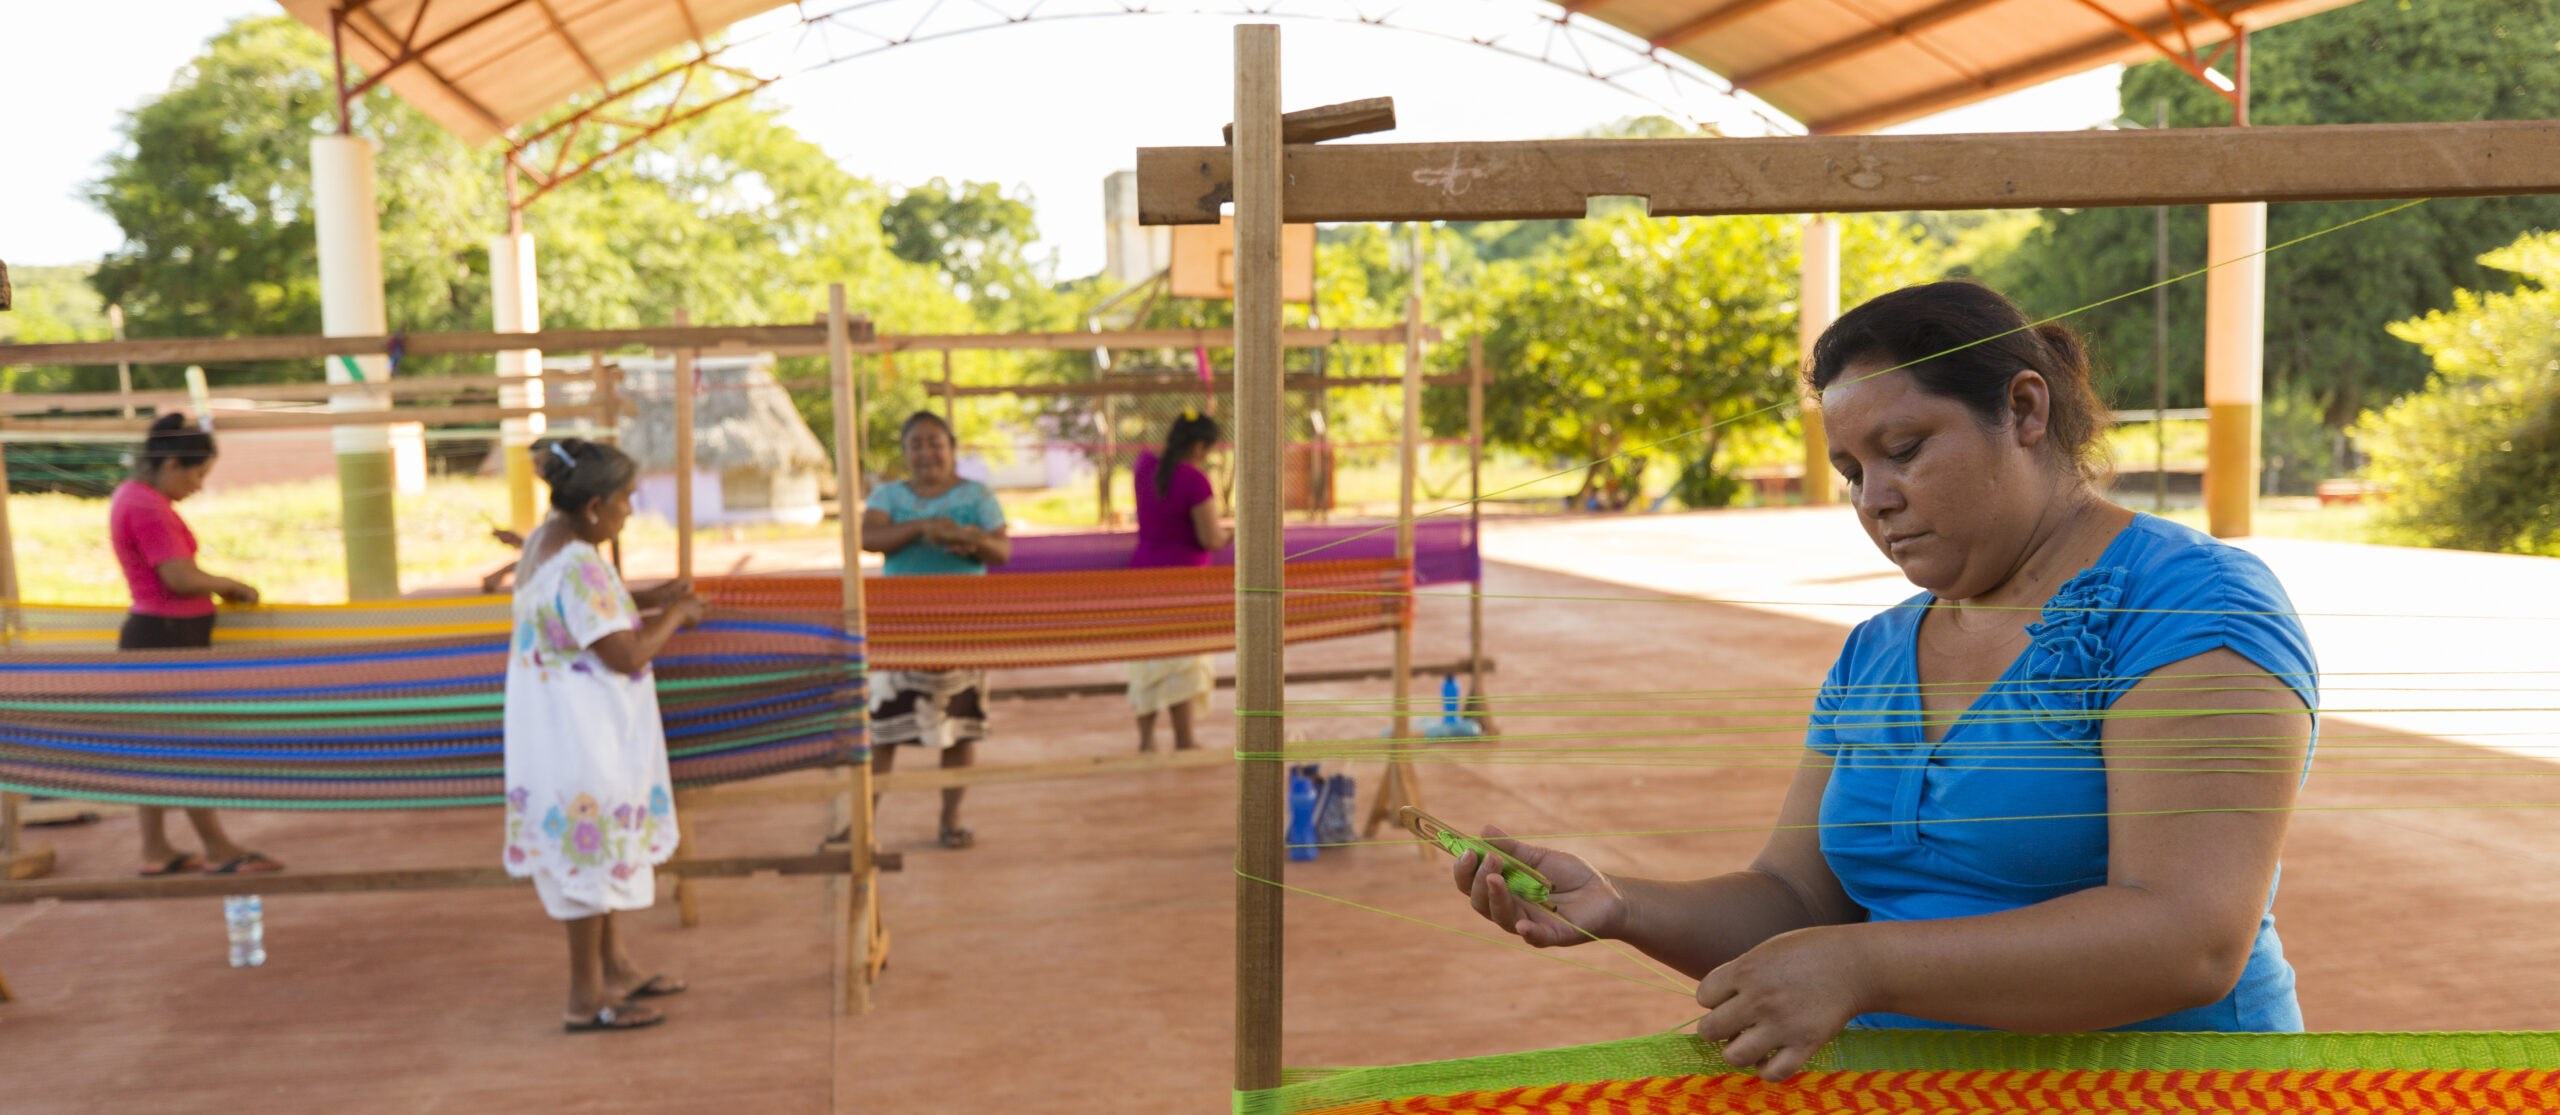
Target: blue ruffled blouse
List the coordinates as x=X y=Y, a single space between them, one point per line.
x=2008 y=809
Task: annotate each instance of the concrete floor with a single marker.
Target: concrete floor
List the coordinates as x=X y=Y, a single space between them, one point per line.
x=1078 y=959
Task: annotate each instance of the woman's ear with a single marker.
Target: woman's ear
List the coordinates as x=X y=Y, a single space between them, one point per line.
x=2030 y=407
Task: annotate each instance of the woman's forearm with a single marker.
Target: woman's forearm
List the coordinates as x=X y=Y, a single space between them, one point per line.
x=2090 y=960
x=1696 y=925
x=889 y=538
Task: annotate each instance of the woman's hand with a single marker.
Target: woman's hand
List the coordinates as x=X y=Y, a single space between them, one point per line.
x=1775 y=1005
x=1582 y=897
x=944 y=532
x=687 y=609
x=234 y=592
x=659 y=596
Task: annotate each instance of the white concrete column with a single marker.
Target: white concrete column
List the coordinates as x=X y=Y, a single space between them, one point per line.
x=511 y=298
x=1817 y=306
x=350 y=244
x=2235 y=326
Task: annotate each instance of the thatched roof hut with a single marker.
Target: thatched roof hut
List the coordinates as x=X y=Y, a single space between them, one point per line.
x=767 y=462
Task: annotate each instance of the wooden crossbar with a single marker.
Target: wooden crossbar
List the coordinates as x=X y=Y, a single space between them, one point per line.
x=413 y=878
x=1546 y=179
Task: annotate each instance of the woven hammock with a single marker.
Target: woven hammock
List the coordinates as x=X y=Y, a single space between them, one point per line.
x=914 y=623
x=402 y=723
x=1970 y=1072
x=1444 y=549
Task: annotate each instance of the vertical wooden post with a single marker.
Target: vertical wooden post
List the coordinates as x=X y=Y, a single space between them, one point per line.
x=688 y=902
x=608 y=397
x=1106 y=462
x=2235 y=342
x=950 y=403
x=1475 y=534
x=683 y=382
x=124 y=369
x=1403 y=785
x=1259 y=569
x=864 y=944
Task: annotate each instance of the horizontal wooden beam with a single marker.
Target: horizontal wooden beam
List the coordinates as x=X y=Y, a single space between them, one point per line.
x=1323 y=122
x=399 y=387
x=411 y=878
x=1548 y=179
x=936 y=778
x=304 y=419
x=233 y=350
x=1299 y=677
x=1177 y=385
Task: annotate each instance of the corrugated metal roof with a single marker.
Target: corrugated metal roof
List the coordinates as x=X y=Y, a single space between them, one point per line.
x=1851 y=66
x=484 y=66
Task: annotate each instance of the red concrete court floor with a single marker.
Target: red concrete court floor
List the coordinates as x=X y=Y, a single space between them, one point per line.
x=1078 y=958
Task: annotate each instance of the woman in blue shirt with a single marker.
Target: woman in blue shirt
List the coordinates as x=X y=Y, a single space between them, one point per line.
x=933 y=523
x=2046 y=794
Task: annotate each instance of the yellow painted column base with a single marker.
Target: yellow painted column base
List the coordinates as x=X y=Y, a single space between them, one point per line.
x=2230 y=468
x=370 y=529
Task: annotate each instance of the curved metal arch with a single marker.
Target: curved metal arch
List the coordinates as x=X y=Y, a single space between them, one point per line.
x=623 y=115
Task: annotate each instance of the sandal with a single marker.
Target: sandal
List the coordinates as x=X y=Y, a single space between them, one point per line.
x=178 y=864
x=246 y=863
x=958 y=838
x=620 y=1016
x=656 y=987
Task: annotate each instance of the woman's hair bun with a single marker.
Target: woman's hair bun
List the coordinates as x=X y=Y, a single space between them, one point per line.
x=580 y=472
x=169 y=423
x=174 y=437
x=553 y=461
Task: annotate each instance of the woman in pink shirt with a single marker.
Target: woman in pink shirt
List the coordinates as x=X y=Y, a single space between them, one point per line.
x=1177 y=526
x=173 y=610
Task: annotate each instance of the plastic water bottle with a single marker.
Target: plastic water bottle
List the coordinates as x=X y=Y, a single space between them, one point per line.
x=1306 y=788
x=1450 y=725
x=245 y=918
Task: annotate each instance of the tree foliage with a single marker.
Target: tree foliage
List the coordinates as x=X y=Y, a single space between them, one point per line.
x=2474 y=459
x=730 y=215
x=2328 y=299
x=1635 y=332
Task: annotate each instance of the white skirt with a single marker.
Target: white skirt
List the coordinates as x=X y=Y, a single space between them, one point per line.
x=1157 y=684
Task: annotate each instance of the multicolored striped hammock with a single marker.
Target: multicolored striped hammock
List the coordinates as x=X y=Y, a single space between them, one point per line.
x=1444 y=549
x=914 y=623
x=405 y=723
x=400 y=704
x=1970 y=1072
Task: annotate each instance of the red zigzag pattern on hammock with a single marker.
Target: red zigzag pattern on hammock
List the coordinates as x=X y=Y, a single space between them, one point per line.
x=1994 y=1092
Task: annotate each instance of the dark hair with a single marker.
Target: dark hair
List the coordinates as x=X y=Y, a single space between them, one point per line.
x=174 y=439
x=1188 y=432
x=581 y=472
x=1963 y=341
x=923 y=416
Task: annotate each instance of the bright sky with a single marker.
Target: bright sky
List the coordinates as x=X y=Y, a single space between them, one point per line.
x=1053 y=107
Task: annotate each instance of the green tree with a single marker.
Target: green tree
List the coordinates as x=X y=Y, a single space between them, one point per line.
x=1634 y=332
x=2327 y=299
x=980 y=239
x=2473 y=460
x=730 y=215
x=53 y=305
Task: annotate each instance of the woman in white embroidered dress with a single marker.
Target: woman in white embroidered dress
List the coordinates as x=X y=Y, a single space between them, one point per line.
x=590 y=810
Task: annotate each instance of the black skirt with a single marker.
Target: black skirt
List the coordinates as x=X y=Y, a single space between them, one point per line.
x=143 y=632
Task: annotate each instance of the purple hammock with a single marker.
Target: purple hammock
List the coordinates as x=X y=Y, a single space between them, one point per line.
x=1444 y=550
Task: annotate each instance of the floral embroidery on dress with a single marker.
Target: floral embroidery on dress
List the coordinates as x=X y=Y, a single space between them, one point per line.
x=543 y=636
x=581 y=832
x=2067 y=657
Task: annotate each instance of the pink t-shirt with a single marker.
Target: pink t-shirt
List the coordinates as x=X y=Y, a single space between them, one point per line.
x=145 y=529
x=1165 y=534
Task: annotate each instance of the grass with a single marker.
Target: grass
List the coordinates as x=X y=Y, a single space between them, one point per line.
x=281 y=538
x=2295 y=517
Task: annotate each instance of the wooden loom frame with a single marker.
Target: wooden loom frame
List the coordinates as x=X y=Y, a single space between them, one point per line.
x=862 y=940
x=1686 y=177
x=1403 y=786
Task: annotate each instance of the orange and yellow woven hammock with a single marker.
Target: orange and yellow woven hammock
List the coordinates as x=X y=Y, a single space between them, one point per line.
x=913 y=623
x=1971 y=1073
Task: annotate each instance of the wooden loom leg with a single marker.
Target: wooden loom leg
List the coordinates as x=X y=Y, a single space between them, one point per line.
x=17 y=861
x=5 y=994
x=865 y=939
x=688 y=898
x=1402 y=785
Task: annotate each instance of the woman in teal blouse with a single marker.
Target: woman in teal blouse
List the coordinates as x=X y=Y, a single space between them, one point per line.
x=2046 y=794
x=933 y=523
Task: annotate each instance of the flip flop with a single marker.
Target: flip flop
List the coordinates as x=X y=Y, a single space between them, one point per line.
x=246 y=863
x=178 y=864
x=959 y=838
x=657 y=986
x=620 y=1016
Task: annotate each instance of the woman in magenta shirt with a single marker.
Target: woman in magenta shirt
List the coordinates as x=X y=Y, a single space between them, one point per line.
x=1177 y=526
x=173 y=610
